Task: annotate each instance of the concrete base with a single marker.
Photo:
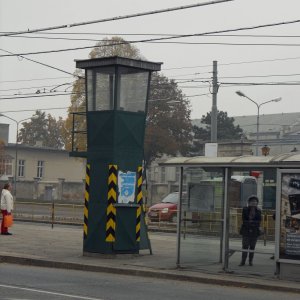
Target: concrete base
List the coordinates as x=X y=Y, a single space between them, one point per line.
x=111 y=256
x=289 y=271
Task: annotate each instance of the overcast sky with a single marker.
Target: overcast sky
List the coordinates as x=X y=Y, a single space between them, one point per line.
x=183 y=62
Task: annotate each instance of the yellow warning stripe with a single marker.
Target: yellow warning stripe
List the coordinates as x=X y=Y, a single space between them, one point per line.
x=139 y=201
x=111 y=199
x=86 y=200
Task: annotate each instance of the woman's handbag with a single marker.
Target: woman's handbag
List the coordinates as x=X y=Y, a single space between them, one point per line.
x=8 y=221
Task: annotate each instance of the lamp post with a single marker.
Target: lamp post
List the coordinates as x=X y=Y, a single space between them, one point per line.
x=241 y=94
x=16 y=151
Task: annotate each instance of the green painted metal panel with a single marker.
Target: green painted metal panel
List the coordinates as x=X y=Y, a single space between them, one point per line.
x=125 y=229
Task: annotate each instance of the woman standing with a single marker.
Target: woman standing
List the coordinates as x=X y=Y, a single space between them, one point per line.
x=6 y=206
x=250 y=228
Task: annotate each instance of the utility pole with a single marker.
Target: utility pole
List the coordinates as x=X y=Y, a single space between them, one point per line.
x=214 y=110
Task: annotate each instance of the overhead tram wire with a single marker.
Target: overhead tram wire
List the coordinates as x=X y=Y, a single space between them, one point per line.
x=260 y=76
x=41 y=87
x=153 y=12
x=196 y=73
x=180 y=85
x=24 y=110
x=177 y=80
x=38 y=96
x=43 y=64
x=234 y=63
x=197 y=79
x=100 y=40
x=158 y=39
x=39 y=92
x=228 y=44
x=260 y=83
x=139 y=34
x=34 y=79
x=25 y=96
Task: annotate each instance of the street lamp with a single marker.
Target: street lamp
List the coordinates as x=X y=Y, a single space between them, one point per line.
x=16 y=150
x=241 y=94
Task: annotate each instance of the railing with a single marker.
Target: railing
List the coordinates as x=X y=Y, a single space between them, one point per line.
x=211 y=223
x=49 y=212
x=79 y=132
x=197 y=222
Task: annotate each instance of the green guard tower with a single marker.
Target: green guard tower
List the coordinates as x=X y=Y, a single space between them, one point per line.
x=117 y=90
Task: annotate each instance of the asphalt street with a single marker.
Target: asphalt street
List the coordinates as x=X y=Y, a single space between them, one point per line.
x=26 y=282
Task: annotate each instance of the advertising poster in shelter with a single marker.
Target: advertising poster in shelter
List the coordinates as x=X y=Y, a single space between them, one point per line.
x=290 y=217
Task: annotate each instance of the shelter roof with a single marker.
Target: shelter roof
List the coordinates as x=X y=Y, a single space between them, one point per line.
x=286 y=160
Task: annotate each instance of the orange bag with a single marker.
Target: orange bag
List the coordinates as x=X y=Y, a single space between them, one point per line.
x=8 y=221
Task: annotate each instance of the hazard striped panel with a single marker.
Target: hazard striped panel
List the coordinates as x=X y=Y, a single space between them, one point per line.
x=86 y=200
x=111 y=200
x=139 y=200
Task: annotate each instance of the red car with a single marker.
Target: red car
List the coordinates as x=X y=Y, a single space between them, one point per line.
x=166 y=210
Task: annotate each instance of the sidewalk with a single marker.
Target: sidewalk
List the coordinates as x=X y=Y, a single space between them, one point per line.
x=61 y=247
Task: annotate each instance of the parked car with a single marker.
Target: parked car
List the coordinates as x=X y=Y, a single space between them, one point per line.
x=166 y=210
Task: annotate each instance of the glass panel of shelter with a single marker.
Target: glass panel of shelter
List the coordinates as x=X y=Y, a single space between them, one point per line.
x=259 y=261
x=201 y=219
x=201 y=237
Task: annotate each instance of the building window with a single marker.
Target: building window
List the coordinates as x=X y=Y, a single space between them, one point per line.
x=6 y=167
x=40 y=169
x=21 y=168
x=177 y=176
x=163 y=174
x=155 y=178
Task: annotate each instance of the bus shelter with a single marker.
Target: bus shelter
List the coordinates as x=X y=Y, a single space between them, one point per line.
x=212 y=193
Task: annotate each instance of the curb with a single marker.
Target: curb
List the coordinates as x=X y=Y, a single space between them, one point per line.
x=203 y=278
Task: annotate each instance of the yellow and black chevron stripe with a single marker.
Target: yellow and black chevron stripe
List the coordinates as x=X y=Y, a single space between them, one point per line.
x=86 y=200
x=111 y=199
x=139 y=200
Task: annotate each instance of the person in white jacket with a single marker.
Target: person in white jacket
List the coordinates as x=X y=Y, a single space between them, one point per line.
x=7 y=205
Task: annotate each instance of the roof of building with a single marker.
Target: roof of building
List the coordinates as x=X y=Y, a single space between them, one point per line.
x=268 y=123
x=35 y=148
x=272 y=122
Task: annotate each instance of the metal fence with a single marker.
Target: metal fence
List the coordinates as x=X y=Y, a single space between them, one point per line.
x=192 y=222
x=211 y=223
x=49 y=212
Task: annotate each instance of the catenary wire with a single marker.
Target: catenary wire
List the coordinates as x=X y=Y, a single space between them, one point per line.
x=157 y=39
x=194 y=43
x=234 y=63
x=24 y=110
x=32 y=87
x=38 y=96
x=227 y=44
x=43 y=64
x=140 y=34
x=177 y=80
x=35 y=79
x=168 y=69
x=153 y=12
x=259 y=83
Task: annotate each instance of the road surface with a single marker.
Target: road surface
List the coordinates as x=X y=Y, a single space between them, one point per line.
x=25 y=282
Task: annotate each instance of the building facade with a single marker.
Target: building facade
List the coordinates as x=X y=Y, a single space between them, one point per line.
x=43 y=173
x=278 y=133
